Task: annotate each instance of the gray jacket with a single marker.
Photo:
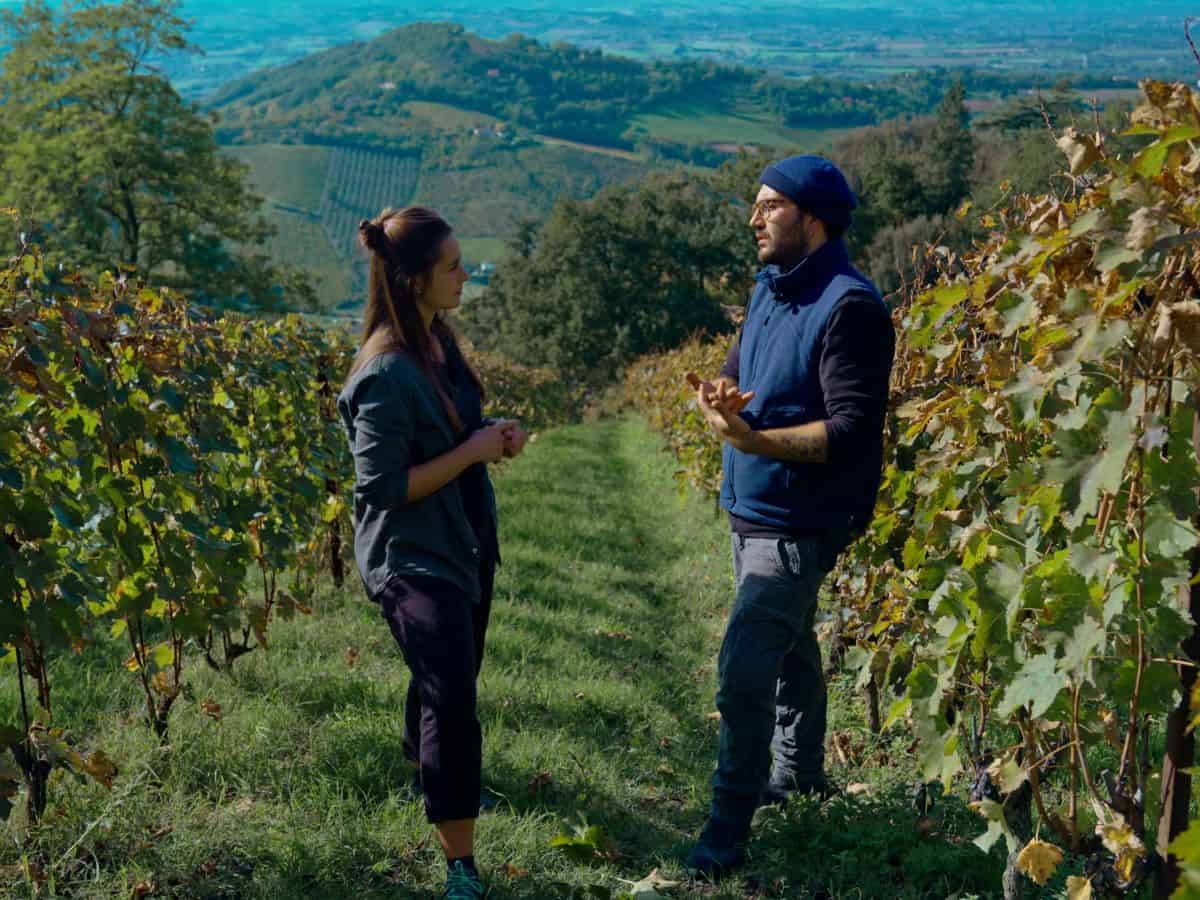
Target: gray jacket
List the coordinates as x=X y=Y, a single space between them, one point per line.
x=395 y=420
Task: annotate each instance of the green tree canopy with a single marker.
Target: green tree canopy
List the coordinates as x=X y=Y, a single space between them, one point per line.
x=952 y=152
x=635 y=269
x=110 y=166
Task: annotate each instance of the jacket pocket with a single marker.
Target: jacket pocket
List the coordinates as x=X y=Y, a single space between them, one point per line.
x=776 y=416
x=788 y=481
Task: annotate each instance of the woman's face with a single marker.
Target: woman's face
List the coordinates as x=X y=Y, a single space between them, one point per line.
x=441 y=288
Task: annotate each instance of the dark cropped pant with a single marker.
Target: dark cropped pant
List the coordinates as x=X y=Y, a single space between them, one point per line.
x=441 y=634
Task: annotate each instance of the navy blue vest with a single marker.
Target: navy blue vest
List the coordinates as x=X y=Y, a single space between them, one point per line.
x=779 y=359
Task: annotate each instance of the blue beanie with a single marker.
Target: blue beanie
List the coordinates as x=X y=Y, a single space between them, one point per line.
x=814 y=184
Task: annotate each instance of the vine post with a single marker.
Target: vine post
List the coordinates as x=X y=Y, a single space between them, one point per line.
x=1180 y=754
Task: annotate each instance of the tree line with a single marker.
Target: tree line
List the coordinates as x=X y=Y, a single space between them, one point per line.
x=110 y=167
x=643 y=265
x=556 y=89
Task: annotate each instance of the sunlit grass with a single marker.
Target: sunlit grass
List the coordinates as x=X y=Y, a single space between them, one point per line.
x=595 y=702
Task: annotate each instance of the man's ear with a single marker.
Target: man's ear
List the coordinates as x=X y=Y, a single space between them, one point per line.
x=814 y=230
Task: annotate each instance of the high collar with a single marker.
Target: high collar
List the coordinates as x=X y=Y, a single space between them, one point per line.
x=814 y=270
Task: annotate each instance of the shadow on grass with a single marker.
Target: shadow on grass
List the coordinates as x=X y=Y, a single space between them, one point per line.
x=874 y=846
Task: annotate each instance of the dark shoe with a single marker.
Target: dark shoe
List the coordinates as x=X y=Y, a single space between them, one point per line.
x=720 y=850
x=778 y=793
x=463 y=884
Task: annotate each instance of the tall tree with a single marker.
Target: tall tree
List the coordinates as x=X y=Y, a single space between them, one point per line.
x=951 y=152
x=636 y=268
x=109 y=166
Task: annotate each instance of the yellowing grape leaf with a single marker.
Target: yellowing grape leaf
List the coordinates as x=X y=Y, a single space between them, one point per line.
x=648 y=888
x=1079 y=888
x=100 y=767
x=1146 y=225
x=1039 y=860
x=1119 y=839
x=160 y=683
x=1081 y=149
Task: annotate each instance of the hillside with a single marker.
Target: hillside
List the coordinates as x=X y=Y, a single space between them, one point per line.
x=315 y=195
x=840 y=38
x=492 y=132
x=359 y=90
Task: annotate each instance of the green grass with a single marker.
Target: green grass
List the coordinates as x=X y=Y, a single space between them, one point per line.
x=594 y=699
x=478 y=250
x=290 y=175
x=301 y=241
x=515 y=184
x=614 y=152
x=443 y=117
x=704 y=126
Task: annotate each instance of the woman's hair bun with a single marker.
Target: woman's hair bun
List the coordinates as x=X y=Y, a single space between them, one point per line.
x=370 y=233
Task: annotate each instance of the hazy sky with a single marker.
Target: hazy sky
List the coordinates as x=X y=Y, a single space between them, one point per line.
x=239 y=36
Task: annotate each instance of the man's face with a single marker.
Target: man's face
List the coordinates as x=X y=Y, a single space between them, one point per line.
x=781 y=229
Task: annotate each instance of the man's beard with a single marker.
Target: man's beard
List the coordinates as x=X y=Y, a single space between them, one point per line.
x=787 y=256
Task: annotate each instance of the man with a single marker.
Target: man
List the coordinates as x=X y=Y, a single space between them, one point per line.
x=800 y=407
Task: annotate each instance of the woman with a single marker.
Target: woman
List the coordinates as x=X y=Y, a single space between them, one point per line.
x=425 y=514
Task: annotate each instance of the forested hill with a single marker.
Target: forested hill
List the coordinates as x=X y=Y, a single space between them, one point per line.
x=359 y=91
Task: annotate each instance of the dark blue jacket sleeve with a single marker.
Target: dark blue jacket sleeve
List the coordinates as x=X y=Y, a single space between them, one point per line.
x=855 y=369
x=732 y=360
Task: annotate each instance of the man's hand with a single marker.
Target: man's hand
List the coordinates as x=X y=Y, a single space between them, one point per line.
x=723 y=393
x=720 y=405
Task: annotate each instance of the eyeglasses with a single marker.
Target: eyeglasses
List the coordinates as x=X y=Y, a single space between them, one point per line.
x=766 y=208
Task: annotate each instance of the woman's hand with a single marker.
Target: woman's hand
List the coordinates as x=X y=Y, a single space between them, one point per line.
x=488 y=444
x=515 y=438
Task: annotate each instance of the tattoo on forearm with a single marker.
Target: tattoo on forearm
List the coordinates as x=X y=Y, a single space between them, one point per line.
x=803 y=447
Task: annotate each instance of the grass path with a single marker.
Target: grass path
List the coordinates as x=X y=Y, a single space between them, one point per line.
x=594 y=699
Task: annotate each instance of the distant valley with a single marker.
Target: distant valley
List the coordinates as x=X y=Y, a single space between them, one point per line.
x=492 y=132
x=860 y=39
x=337 y=111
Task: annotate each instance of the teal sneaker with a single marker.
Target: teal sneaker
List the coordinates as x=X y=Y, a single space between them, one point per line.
x=463 y=884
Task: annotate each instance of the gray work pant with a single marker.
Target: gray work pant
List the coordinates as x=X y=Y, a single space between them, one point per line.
x=771 y=692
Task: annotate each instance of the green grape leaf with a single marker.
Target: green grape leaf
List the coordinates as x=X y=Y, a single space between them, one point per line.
x=1160 y=686
x=1037 y=684
x=1079 y=650
x=1167 y=536
x=1149 y=163
x=163 y=655
x=1105 y=470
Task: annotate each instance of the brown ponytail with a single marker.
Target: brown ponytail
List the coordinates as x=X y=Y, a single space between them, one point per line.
x=404 y=246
